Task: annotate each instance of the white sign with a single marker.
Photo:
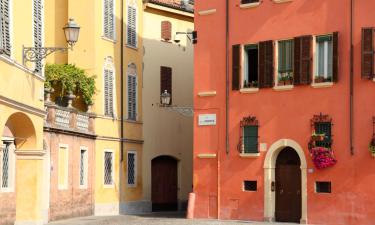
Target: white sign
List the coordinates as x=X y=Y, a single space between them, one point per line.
x=207 y=119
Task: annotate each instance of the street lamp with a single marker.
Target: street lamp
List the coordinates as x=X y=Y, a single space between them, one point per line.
x=165 y=99
x=36 y=54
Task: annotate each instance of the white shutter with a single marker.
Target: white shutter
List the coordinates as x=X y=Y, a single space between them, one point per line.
x=105 y=19
x=5 y=46
x=132 y=97
x=132 y=26
x=38 y=30
x=108 y=92
x=109 y=19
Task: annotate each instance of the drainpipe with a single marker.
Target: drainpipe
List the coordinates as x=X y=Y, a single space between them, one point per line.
x=122 y=82
x=351 y=78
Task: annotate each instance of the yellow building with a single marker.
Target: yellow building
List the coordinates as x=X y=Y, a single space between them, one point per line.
x=109 y=47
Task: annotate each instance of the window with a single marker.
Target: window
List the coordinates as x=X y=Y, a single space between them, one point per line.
x=131 y=39
x=132 y=169
x=250 y=185
x=83 y=164
x=108 y=168
x=323 y=128
x=5 y=45
x=5 y=166
x=249 y=1
x=250 y=78
x=323 y=187
x=109 y=19
x=249 y=135
x=285 y=62
x=368 y=53
x=166 y=30
x=38 y=27
x=63 y=162
x=324 y=54
x=108 y=92
x=166 y=80
x=132 y=92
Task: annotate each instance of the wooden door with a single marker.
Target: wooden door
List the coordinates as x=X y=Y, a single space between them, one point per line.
x=164 y=184
x=288 y=187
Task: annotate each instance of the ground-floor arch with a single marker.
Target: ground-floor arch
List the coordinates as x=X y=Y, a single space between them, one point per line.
x=270 y=165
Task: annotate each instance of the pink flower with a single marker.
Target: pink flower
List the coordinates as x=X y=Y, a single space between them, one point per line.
x=322 y=157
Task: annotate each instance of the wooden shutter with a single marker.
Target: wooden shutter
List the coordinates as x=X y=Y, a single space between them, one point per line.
x=106 y=18
x=335 y=56
x=236 y=66
x=108 y=92
x=266 y=62
x=166 y=80
x=132 y=97
x=250 y=139
x=109 y=19
x=132 y=26
x=302 y=60
x=166 y=30
x=38 y=30
x=5 y=46
x=368 y=53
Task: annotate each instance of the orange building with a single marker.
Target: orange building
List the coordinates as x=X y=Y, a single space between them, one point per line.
x=283 y=119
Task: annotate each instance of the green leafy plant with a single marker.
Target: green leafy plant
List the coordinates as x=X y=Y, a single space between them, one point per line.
x=68 y=78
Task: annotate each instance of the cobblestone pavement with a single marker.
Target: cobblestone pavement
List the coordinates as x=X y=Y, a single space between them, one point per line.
x=152 y=219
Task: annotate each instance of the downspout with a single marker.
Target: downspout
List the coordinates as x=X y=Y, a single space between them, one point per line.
x=122 y=83
x=351 y=79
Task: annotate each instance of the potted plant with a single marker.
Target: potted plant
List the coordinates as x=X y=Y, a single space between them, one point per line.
x=317 y=137
x=246 y=84
x=322 y=157
x=320 y=79
x=371 y=147
x=286 y=79
x=254 y=84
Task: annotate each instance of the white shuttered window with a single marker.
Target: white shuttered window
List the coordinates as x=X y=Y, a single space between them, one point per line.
x=132 y=91
x=108 y=92
x=109 y=19
x=38 y=23
x=131 y=29
x=5 y=47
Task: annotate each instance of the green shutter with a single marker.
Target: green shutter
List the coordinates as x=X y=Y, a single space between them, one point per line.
x=250 y=139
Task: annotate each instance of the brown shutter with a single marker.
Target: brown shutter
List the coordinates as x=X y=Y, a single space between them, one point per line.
x=266 y=73
x=236 y=66
x=166 y=30
x=166 y=80
x=368 y=53
x=335 y=57
x=302 y=60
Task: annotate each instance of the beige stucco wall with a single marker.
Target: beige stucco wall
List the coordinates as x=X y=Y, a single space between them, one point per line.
x=165 y=132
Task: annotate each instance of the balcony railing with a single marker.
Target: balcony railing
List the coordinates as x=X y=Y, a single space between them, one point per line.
x=69 y=119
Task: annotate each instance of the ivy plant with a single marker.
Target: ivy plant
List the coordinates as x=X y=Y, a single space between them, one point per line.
x=70 y=79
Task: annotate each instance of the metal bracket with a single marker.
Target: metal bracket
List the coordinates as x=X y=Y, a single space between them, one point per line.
x=35 y=54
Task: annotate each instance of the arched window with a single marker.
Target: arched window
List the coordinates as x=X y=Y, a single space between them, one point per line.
x=109 y=81
x=132 y=91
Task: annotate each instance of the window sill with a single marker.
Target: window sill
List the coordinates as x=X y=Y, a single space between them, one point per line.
x=109 y=39
x=206 y=93
x=249 y=155
x=6 y=190
x=322 y=85
x=82 y=187
x=282 y=1
x=249 y=5
x=206 y=156
x=108 y=186
x=283 y=87
x=132 y=47
x=133 y=121
x=373 y=79
x=249 y=90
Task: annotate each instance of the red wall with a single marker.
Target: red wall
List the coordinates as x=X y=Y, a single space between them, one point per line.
x=284 y=114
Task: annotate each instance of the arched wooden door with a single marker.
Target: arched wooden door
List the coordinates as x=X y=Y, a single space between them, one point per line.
x=164 y=183
x=288 y=186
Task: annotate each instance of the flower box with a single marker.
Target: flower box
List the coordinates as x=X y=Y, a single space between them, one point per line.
x=322 y=157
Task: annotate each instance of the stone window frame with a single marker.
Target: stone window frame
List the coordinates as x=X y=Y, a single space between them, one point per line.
x=86 y=166
x=66 y=167
x=134 y=152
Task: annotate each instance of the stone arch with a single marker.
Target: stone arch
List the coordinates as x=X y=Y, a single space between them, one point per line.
x=21 y=128
x=269 y=177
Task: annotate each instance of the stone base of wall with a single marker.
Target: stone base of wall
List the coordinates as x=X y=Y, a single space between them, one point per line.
x=7 y=208
x=136 y=207
x=29 y=223
x=110 y=209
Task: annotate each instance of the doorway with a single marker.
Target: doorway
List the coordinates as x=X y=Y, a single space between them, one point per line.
x=288 y=186
x=164 y=184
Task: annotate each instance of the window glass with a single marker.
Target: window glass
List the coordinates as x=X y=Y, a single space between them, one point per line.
x=251 y=66
x=324 y=59
x=285 y=62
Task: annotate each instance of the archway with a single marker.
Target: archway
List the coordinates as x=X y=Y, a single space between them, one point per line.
x=164 y=184
x=270 y=186
x=23 y=131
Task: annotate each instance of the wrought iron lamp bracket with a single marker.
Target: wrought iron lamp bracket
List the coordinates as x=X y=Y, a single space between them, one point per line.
x=35 y=54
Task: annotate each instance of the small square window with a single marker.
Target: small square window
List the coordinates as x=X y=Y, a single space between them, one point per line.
x=250 y=185
x=323 y=187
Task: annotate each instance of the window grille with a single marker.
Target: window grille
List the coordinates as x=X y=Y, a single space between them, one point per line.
x=321 y=124
x=249 y=135
x=5 y=47
x=109 y=19
x=5 y=166
x=132 y=26
x=131 y=168
x=108 y=168
x=108 y=93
